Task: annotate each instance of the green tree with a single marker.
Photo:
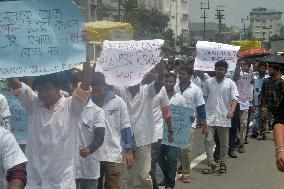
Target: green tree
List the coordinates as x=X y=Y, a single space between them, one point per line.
x=169 y=45
x=147 y=23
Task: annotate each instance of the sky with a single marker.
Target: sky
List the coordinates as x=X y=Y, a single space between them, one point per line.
x=234 y=9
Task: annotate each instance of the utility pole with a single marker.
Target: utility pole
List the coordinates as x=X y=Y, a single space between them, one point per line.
x=204 y=16
x=244 y=25
x=119 y=10
x=220 y=16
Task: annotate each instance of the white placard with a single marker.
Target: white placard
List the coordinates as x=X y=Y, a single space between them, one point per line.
x=245 y=87
x=208 y=53
x=124 y=63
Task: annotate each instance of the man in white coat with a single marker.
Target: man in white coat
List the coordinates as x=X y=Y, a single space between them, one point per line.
x=117 y=146
x=139 y=100
x=4 y=113
x=12 y=162
x=90 y=138
x=52 y=128
x=222 y=96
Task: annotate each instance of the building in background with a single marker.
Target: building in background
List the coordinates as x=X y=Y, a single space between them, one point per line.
x=265 y=23
x=196 y=31
x=112 y=10
x=177 y=10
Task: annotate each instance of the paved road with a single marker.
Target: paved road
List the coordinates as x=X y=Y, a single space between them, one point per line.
x=254 y=169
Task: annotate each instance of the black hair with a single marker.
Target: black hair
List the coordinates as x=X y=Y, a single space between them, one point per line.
x=170 y=74
x=98 y=79
x=221 y=64
x=179 y=62
x=275 y=66
x=54 y=79
x=187 y=69
x=242 y=59
x=262 y=64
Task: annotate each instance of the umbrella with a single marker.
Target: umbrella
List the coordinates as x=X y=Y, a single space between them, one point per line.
x=255 y=53
x=277 y=59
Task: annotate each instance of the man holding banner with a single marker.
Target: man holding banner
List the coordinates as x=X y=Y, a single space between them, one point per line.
x=53 y=122
x=194 y=99
x=139 y=99
x=168 y=153
x=124 y=64
x=35 y=49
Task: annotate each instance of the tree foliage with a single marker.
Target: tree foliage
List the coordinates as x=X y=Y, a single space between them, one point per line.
x=147 y=23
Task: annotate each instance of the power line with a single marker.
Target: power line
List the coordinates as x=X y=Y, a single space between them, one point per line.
x=204 y=17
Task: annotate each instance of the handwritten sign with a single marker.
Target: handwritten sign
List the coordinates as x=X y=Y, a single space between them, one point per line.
x=38 y=37
x=124 y=63
x=18 y=119
x=245 y=87
x=182 y=126
x=208 y=53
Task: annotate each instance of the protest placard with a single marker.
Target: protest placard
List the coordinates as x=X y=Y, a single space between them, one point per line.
x=208 y=53
x=38 y=37
x=124 y=63
x=182 y=126
x=245 y=87
x=18 y=119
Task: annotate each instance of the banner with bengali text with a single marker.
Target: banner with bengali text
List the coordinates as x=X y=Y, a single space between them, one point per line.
x=208 y=53
x=39 y=37
x=124 y=63
x=182 y=126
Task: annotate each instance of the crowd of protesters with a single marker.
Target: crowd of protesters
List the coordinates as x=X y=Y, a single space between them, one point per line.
x=101 y=136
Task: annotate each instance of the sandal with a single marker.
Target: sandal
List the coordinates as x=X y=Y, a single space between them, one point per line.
x=261 y=137
x=185 y=179
x=223 y=168
x=211 y=168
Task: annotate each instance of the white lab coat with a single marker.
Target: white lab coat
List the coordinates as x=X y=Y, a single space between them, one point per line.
x=52 y=141
x=117 y=119
x=4 y=112
x=193 y=96
x=140 y=110
x=220 y=96
x=178 y=100
x=92 y=117
x=160 y=101
x=10 y=154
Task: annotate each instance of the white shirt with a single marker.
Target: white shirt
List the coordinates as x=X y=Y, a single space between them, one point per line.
x=220 y=97
x=10 y=155
x=140 y=110
x=52 y=141
x=193 y=96
x=4 y=107
x=160 y=101
x=4 y=112
x=200 y=83
x=91 y=118
x=178 y=100
x=117 y=119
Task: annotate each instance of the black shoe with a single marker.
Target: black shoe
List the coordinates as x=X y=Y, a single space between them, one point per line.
x=254 y=135
x=162 y=183
x=241 y=149
x=232 y=154
x=246 y=140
